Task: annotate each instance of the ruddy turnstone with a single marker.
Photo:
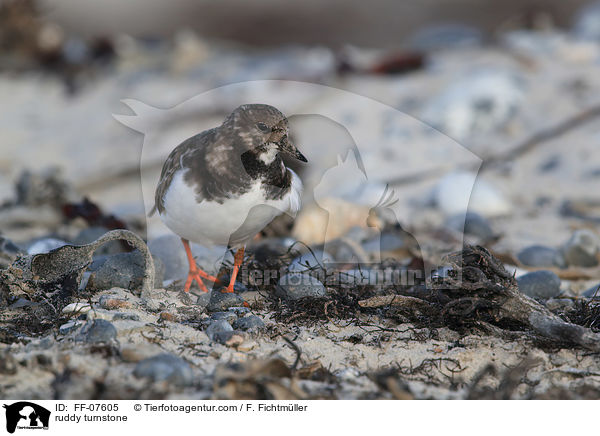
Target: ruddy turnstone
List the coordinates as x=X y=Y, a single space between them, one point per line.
x=224 y=185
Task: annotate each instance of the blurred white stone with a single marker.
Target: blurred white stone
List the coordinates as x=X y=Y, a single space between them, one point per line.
x=460 y=192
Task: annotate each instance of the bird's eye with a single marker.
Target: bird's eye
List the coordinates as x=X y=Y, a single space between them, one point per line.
x=263 y=127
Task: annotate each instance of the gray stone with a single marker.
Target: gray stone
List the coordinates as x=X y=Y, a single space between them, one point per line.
x=123 y=270
x=220 y=301
x=165 y=367
x=203 y=299
x=582 y=249
x=227 y=316
x=310 y=260
x=587 y=22
x=218 y=327
x=541 y=256
x=99 y=330
x=70 y=326
x=560 y=304
x=250 y=323
x=539 y=284
x=593 y=292
x=472 y=224
x=295 y=285
x=239 y=311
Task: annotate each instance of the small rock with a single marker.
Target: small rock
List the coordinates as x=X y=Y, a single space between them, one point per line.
x=203 y=299
x=471 y=224
x=582 y=249
x=295 y=285
x=165 y=367
x=77 y=308
x=227 y=316
x=247 y=346
x=587 y=22
x=220 y=301
x=110 y=303
x=235 y=341
x=8 y=364
x=239 y=311
x=70 y=326
x=167 y=316
x=99 y=330
x=249 y=323
x=124 y=270
x=541 y=256
x=539 y=284
x=219 y=330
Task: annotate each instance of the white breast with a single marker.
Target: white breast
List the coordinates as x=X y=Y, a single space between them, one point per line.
x=234 y=222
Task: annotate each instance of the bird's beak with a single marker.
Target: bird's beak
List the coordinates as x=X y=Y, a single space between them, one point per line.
x=290 y=149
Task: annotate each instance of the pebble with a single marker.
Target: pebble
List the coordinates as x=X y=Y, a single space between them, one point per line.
x=310 y=260
x=239 y=311
x=295 y=285
x=249 y=323
x=539 y=284
x=110 y=303
x=165 y=367
x=582 y=249
x=126 y=316
x=462 y=192
x=227 y=316
x=472 y=224
x=123 y=270
x=70 y=326
x=221 y=301
x=99 y=330
x=219 y=331
x=541 y=256
x=444 y=36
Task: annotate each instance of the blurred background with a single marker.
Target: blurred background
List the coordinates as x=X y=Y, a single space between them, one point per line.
x=514 y=83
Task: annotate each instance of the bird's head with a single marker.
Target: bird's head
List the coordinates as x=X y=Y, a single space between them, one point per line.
x=264 y=130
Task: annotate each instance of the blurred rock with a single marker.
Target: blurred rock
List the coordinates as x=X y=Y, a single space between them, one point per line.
x=541 y=256
x=221 y=301
x=587 y=22
x=165 y=367
x=90 y=234
x=446 y=36
x=471 y=224
x=249 y=323
x=582 y=249
x=540 y=285
x=99 y=330
x=296 y=285
x=219 y=331
x=123 y=270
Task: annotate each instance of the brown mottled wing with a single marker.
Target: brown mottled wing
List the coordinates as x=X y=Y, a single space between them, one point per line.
x=194 y=145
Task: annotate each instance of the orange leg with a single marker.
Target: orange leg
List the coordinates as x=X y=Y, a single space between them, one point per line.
x=195 y=272
x=237 y=262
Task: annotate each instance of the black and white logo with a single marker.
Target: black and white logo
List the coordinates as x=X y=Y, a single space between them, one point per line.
x=26 y=416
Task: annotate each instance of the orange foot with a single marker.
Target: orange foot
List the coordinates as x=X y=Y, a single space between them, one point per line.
x=195 y=273
x=237 y=262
